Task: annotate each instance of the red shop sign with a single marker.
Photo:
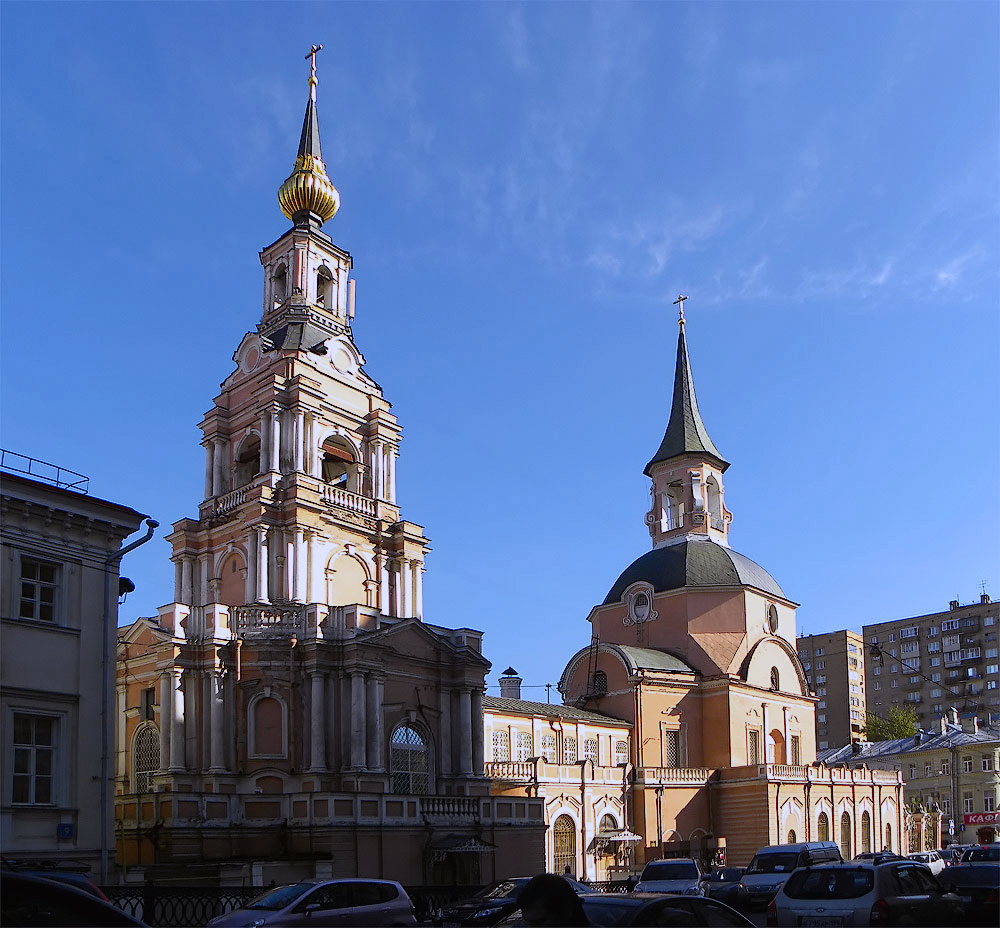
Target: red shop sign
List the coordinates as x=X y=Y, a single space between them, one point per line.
x=982 y=818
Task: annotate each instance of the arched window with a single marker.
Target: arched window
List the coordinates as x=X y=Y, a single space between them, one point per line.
x=145 y=757
x=247 y=464
x=279 y=284
x=408 y=761
x=714 y=503
x=267 y=727
x=791 y=836
x=776 y=747
x=501 y=745
x=775 y=679
x=324 y=289
x=337 y=466
x=621 y=752
x=866 y=832
x=232 y=582
x=845 y=836
x=823 y=827
x=563 y=845
x=672 y=515
x=599 y=682
x=608 y=824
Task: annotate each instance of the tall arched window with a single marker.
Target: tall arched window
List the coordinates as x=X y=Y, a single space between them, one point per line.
x=608 y=824
x=888 y=837
x=247 y=463
x=279 y=283
x=845 y=837
x=866 y=832
x=267 y=728
x=775 y=679
x=324 y=288
x=145 y=757
x=338 y=464
x=673 y=508
x=791 y=836
x=408 y=761
x=563 y=845
x=714 y=503
x=823 y=827
x=232 y=581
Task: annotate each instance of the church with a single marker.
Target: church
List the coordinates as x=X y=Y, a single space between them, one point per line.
x=694 y=648
x=290 y=713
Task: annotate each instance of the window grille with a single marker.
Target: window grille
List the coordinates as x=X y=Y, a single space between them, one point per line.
x=145 y=758
x=564 y=845
x=408 y=761
x=549 y=748
x=621 y=752
x=599 y=683
x=523 y=746
x=754 y=746
x=569 y=749
x=501 y=746
x=591 y=750
x=671 y=748
x=796 y=751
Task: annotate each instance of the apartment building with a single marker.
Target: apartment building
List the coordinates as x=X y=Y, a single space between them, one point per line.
x=937 y=662
x=835 y=667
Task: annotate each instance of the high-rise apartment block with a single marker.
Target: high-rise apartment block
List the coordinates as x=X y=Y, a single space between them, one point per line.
x=835 y=666
x=938 y=662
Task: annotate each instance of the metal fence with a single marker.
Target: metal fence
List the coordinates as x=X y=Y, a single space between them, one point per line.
x=195 y=906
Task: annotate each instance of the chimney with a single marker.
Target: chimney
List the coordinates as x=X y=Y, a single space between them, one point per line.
x=955 y=718
x=971 y=726
x=985 y=598
x=954 y=604
x=510 y=684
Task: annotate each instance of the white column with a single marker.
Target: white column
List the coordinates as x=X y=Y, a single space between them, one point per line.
x=217 y=749
x=288 y=581
x=406 y=582
x=317 y=724
x=205 y=569
x=166 y=714
x=384 y=603
x=275 y=442
x=397 y=605
x=391 y=461
x=262 y=549
x=465 y=730
x=299 y=564
x=209 y=467
x=187 y=580
x=178 y=570
x=358 y=721
x=218 y=467
x=122 y=694
x=177 y=764
x=378 y=471
x=477 y=731
x=309 y=451
x=784 y=732
x=766 y=716
x=373 y=734
x=265 y=442
x=298 y=440
x=418 y=574
x=250 y=589
x=312 y=574
x=446 y=750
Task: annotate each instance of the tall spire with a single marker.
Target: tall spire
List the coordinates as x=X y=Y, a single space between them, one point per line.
x=307 y=195
x=686 y=433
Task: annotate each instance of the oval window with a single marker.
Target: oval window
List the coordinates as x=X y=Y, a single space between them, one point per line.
x=772 y=619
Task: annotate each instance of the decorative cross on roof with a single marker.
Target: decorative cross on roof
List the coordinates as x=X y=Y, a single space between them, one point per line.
x=679 y=302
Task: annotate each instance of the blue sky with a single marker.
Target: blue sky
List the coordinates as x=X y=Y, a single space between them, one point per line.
x=525 y=190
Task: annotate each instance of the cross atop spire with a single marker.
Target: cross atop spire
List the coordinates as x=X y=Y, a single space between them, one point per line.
x=312 y=71
x=679 y=303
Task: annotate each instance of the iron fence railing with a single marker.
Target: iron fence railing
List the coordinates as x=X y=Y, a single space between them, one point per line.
x=43 y=470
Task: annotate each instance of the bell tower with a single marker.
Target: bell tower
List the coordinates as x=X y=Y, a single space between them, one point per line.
x=688 y=496
x=300 y=522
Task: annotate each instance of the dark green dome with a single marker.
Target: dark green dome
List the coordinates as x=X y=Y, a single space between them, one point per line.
x=693 y=564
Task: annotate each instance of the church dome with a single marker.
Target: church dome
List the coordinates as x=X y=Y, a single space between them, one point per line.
x=693 y=564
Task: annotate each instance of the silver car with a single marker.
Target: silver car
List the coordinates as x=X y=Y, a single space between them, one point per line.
x=319 y=903
x=682 y=875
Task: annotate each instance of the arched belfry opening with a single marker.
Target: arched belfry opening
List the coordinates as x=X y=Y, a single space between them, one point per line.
x=673 y=507
x=325 y=290
x=279 y=284
x=714 y=503
x=247 y=463
x=338 y=465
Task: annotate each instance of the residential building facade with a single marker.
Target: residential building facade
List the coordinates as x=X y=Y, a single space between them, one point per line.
x=290 y=713
x=59 y=560
x=834 y=665
x=952 y=774
x=938 y=662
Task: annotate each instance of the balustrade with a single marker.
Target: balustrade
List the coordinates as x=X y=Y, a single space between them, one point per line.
x=231 y=500
x=269 y=619
x=340 y=498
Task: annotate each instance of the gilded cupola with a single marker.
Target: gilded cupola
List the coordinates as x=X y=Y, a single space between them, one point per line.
x=308 y=194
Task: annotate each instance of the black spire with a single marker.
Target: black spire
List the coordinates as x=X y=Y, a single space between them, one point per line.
x=686 y=433
x=309 y=141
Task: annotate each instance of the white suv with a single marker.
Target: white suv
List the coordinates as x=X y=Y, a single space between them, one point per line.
x=881 y=891
x=932 y=860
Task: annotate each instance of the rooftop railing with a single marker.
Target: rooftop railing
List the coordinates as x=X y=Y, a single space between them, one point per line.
x=43 y=470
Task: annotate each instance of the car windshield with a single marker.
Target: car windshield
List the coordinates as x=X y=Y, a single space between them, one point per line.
x=275 y=899
x=981 y=853
x=600 y=910
x=773 y=863
x=830 y=884
x=726 y=875
x=502 y=889
x=670 y=870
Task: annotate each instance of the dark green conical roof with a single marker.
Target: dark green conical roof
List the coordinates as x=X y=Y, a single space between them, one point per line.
x=686 y=433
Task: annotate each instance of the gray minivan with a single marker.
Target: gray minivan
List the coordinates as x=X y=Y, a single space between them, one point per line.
x=771 y=866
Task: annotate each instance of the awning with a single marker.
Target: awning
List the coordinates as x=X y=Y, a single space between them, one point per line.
x=608 y=838
x=461 y=844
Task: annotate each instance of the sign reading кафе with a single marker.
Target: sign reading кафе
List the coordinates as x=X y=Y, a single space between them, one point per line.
x=982 y=818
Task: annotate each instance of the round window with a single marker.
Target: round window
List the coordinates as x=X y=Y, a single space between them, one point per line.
x=772 y=618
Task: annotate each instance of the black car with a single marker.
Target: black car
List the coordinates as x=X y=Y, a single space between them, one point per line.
x=28 y=900
x=977 y=884
x=491 y=904
x=722 y=883
x=659 y=909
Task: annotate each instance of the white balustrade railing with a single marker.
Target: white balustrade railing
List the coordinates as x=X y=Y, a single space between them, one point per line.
x=669 y=776
x=509 y=770
x=269 y=619
x=345 y=499
x=231 y=500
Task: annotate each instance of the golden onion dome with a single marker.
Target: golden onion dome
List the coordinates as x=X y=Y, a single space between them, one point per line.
x=308 y=192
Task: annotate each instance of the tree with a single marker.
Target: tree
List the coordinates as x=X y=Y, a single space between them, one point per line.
x=898 y=722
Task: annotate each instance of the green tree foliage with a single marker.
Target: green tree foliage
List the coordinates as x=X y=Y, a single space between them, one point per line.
x=898 y=722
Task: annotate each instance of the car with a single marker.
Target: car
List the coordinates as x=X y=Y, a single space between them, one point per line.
x=723 y=883
x=647 y=909
x=74 y=877
x=28 y=900
x=492 y=903
x=930 y=859
x=892 y=891
x=325 y=902
x=977 y=884
x=954 y=853
x=981 y=852
x=771 y=865
x=681 y=875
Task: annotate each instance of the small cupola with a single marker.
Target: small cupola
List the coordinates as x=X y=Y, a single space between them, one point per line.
x=510 y=684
